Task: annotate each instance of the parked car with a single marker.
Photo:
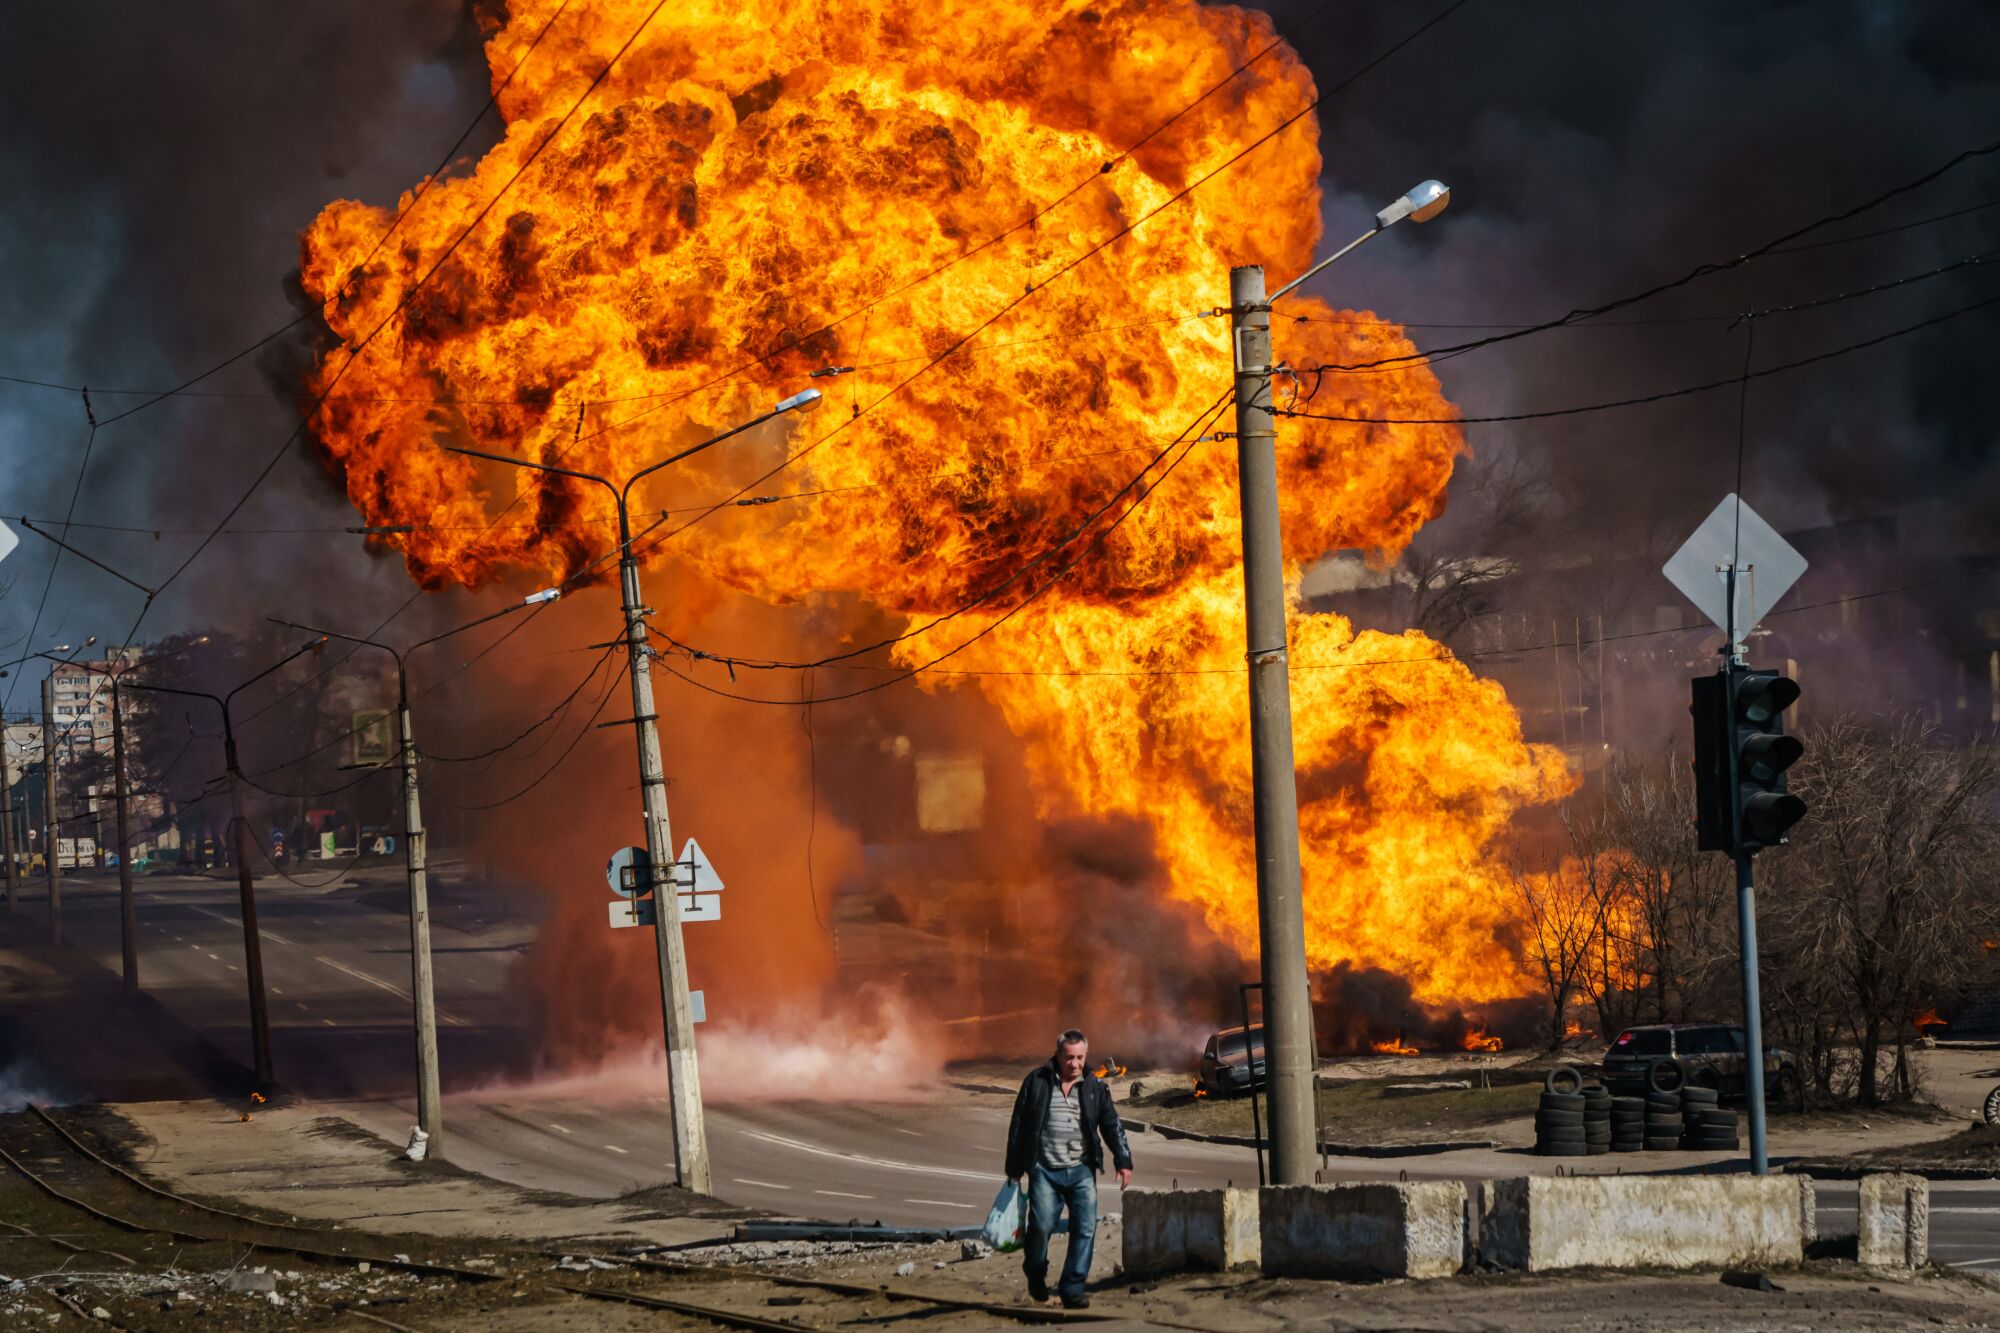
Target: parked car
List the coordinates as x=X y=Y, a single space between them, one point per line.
x=1709 y=1055
x=1233 y=1062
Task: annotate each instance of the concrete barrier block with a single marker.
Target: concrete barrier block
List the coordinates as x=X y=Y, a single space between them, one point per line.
x=1175 y=1231
x=1895 y=1221
x=1541 y=1223
x=1808 y=1210
x=1414 y=1229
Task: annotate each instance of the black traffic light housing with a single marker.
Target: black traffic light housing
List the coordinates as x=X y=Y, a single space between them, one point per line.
x=1739 y=734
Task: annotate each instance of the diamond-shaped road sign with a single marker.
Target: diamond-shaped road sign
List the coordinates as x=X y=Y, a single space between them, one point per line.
x=9 y=539
x=630 y=875
x=1766 y=566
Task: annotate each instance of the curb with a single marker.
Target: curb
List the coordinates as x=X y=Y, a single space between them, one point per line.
x=1840 y=1171
x=1332 y=1149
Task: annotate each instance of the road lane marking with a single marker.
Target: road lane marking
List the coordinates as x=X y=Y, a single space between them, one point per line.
x=328 y=1021
x=1976 y=1212
x=231 y=921
x=276 y=991
x=843 y=1194
x=760 y=1184
x=944 y=1203
x=612 y=1147
x=216 y=957
x=230 y=966
x=911 y=1132
x=1975 y=1263
x=558 y=1128
x=865 y=1160
x=377 y=982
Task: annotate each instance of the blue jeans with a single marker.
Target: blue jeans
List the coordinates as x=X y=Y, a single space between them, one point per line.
x=1050 y=1190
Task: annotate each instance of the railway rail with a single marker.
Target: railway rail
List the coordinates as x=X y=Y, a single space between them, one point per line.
x=65 y=1167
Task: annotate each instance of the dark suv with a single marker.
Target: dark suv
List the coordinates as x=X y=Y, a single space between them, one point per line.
x=1709 y=1055
x=1232 y=1063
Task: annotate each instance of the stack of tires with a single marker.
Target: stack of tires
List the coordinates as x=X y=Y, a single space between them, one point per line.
x=1572 y=1120
x=1596 y=1120
x=1559 y=1119
x=1662 y=1125
x=1705 y=1126
x=1628 y=1124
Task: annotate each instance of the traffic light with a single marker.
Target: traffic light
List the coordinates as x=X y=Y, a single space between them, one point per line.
x=1740 y=712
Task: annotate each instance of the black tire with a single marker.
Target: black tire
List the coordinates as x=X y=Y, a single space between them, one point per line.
x=1662 y=1144
x=1628 y=1145
x=1561 y=1074
x=1663 y=1101
x=1657 y=1125
x=1992 y=1107
x=1560 y=1136
x=1561 y=1101
x=1560 y=1150
x=1705 y=1080
x=1597 y=1100
x=1559 y=1118
x=1597 y=1150
x=1717 y=1119
x=1700 y=1095
x=1665 y=1076
x=1627 y=1105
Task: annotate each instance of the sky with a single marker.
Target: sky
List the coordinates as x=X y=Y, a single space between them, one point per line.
x=164 y=160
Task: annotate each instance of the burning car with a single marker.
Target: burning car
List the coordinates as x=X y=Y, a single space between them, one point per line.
x=1709 y=1055
x=1233 y=1062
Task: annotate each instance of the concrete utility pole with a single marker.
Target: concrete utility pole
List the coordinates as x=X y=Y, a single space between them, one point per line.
x=7 y=819
x=49 y=853
x=253 y=946
x=690 y=1130
x=1290 y=1062
x=127 y=917
x=253 y=949
x=1289 y=1059
x=684 y=1074
x=423 y=990
x=430 y=1110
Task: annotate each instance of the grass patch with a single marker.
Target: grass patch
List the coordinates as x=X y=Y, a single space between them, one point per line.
x=1361 y=1110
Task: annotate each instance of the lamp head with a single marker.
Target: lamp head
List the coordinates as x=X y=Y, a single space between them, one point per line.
x=803 y=401
x=1421 y=204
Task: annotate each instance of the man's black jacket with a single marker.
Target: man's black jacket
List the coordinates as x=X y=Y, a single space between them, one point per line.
x=1094 y=1109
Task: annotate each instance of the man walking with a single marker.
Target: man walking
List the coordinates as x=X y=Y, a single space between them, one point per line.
x=1060 y=1115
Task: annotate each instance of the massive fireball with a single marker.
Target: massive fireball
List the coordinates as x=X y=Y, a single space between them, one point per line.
x=717 y=220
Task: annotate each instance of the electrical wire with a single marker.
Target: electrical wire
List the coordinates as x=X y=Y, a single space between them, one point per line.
x=75 y=491
x=380 y=241
x=609 y=689
x=1662 y=396
x=1699 y=271
x=807 y=700
x=553 y=715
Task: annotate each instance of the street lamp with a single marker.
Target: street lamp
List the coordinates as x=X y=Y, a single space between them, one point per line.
x=48 y=788
x=430 y=1108
x=684 y=1083
x=127 y=923
x=1290 y=1059
x=253 y=953
x=1421 y=204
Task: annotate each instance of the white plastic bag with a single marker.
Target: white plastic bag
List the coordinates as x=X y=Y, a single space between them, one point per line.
x=1007 y=1223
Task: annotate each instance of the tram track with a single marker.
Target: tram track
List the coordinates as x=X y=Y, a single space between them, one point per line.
x=66 y=1168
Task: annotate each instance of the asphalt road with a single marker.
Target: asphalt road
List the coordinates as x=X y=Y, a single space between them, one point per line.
x=336 y=963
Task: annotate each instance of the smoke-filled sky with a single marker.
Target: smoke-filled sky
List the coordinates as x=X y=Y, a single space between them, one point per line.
x=163 y=160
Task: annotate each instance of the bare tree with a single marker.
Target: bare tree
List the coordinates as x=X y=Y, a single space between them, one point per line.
x=1879 y=905
x=1559 y=928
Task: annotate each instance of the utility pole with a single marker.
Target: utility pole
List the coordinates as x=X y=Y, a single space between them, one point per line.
x=127 y=918
x=49 y=851
x=684 y=1075
x=430 y=1113
x=690 y=1134
x=7 y=818
x=253 y=948
x=1289 y=1056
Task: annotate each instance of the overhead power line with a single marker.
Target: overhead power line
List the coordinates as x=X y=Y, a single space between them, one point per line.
x=1662 y=396
x=1698 y=272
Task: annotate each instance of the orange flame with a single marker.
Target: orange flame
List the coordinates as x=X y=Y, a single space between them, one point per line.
x=1929 y=1019
x=1109 y=1071
x=1394 y=1046
x=748 y=174
x=1475 y=1040
x=1572 y=1029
